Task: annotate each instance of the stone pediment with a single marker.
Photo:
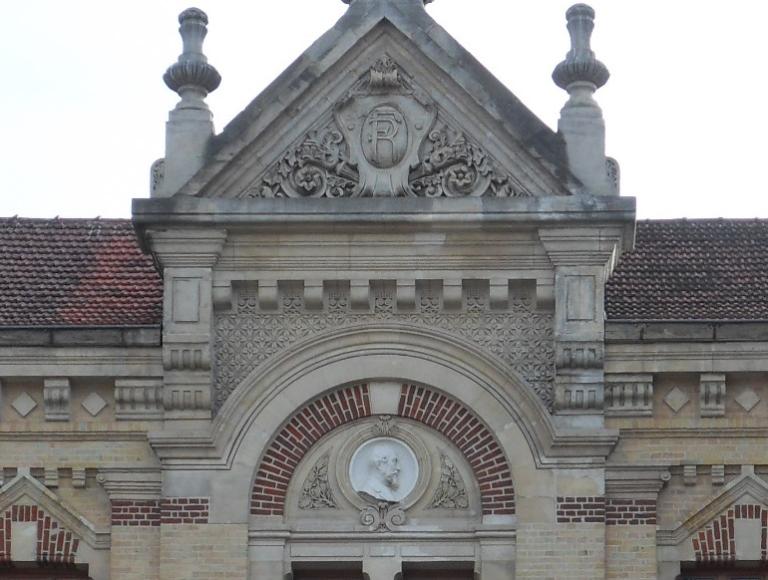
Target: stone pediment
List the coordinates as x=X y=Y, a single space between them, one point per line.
x=26 y=490
x=748 y=489
x=386 y=117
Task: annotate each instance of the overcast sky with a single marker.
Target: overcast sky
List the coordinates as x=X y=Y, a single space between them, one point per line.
x=84 y=106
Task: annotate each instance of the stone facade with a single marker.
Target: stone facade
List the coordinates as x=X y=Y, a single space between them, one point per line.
x=385 y=323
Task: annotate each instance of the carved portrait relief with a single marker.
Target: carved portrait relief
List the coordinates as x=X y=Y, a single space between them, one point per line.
x=383 y=474
x=384 y=469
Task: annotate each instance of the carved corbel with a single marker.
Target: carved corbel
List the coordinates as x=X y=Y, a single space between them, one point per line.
x=56 y=396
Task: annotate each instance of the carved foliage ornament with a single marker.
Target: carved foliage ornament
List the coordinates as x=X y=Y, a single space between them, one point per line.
x=316 y=493
x=451 y=493
x=385 y=139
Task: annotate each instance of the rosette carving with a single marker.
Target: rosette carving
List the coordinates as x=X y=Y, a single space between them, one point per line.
x=453 y=166
x=319 y=166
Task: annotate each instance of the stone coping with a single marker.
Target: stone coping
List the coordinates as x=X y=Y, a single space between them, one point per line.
x=686 y=331
x=81 y=336
x=185 y=210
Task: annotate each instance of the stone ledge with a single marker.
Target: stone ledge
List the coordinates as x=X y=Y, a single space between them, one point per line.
x=85 y=336
x=684 y=331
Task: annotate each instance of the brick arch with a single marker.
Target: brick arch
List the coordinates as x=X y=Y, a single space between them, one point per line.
x=717 y=541
x=428 y=406
x=54 y=543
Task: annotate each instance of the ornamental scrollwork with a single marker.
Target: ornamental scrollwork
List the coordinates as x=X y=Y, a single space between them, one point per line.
x=383 y=516
x=319 y=166
x=453 y=166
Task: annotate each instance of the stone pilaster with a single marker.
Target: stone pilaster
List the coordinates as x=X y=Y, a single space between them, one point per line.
x=187 y=257
x=630 y=515
x=582 y=258
x=134 y=497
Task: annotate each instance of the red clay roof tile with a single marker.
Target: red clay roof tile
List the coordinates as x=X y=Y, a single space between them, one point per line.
x=76 y=272
x=708 y=269
x=91 y=272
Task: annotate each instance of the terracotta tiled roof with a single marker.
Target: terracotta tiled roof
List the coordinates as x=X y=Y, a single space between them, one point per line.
x=693 y=270
x=91 y=272
x=75 y=272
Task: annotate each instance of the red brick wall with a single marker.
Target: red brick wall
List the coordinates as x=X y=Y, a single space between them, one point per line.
x=717 y=542
x=127 y=512
x=293 y=441
x=54 y=543
x=580 y=509
x=478 y=444
x=184 y=510
x=630 y=512
x=428 y=406
x=172 y=510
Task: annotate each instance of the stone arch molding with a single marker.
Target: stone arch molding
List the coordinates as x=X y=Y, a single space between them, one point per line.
x=406 y=354
x=420 y=403
x=60 y=535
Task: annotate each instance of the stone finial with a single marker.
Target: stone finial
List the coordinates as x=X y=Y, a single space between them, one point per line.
x=192 y=72
x=190 y=123
x=581 y=120
x=580 y=64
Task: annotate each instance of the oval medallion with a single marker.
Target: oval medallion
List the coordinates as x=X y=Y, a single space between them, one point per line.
x=385 y=137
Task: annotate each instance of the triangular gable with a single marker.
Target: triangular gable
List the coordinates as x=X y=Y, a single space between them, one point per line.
x=26 y=490
x=384 y=104
x=716 y=531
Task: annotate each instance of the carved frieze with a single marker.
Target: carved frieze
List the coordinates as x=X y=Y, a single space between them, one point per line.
x=385 y=138
x=247 y=336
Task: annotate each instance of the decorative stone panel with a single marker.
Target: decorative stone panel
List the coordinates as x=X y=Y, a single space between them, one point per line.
x=427 y=406
x=580 y=509
x=630 y=512
x=249 y=335
x=54 y=543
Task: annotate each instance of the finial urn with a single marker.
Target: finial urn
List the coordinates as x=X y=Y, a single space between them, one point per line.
x=192 y=72
x=580 y=64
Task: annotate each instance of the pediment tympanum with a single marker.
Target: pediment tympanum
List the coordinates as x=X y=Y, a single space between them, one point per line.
x=386 y=137
x=384 y=119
